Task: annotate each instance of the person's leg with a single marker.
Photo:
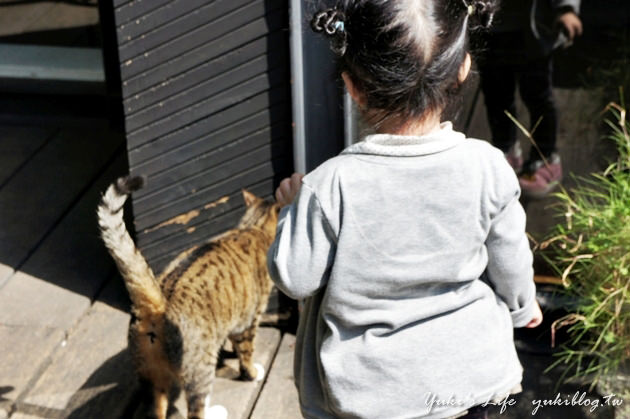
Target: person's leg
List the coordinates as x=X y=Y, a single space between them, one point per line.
x=535 y=86
x=498 y=84
x=497 y=65
x=543 y=171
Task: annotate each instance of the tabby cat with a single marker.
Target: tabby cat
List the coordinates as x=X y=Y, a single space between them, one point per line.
x=206 y=295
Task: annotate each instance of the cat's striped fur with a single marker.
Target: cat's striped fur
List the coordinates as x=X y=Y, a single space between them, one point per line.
x=208 y=294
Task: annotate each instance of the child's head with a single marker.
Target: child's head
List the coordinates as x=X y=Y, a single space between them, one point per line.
x=406 y=58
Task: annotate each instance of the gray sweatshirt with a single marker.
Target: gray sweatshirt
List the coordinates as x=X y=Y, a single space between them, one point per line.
x=412 y=259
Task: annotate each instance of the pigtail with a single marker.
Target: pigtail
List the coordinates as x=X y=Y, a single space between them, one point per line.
x=480 y=13
x=404 y=55
x=331 y=22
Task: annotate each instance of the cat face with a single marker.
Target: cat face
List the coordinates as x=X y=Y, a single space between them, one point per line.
x=259 y=213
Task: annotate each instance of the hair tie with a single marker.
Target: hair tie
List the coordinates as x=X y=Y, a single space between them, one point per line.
x=469 y=7
x=483 y=11
x=331 y=22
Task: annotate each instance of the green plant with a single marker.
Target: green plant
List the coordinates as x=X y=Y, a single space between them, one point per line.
x=590 y=250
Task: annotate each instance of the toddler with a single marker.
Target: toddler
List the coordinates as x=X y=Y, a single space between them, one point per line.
x=409 y=248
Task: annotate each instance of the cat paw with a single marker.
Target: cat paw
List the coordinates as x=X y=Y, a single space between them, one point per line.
x=260 y=372
x=215 y=412
x=255 y=373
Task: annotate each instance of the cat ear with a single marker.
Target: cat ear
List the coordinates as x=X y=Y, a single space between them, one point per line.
x=250 y=198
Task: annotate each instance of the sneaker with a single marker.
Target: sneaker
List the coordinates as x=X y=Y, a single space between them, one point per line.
x=539 y=179
x=514 y=156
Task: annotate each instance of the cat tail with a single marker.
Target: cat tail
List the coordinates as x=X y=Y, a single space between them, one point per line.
x=144 y=291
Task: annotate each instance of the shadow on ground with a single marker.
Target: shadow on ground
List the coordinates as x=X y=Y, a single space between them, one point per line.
x=569 y=401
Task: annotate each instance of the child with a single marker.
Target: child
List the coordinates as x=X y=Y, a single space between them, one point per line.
x=409 y=248
x=518 y=51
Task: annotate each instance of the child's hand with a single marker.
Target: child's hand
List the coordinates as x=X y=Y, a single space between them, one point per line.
x=570 y=24
x=288 y=189
x=537 y=319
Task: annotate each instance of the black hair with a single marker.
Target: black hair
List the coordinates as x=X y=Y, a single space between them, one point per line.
x=403 y=55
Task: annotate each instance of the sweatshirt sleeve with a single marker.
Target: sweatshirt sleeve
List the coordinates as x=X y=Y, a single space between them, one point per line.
x=572 y=4
x=510 y=270
x=300 y=258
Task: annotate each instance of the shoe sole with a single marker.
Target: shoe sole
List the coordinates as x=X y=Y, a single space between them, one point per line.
x=540 y=194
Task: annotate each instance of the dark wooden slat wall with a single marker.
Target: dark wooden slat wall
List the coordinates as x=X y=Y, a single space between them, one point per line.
x=206 y=93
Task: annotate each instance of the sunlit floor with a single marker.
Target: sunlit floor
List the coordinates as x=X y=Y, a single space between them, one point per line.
x=20 y=17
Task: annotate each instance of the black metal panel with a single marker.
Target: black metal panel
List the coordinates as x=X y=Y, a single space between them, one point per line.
x=169 y=201
x=176 y=12
x=208 y=70
x=127 y=11
x=198 y=108
x=159 y=75
x=201 y=130
x=206 y=92
x=210 y=22
x=175 y=174
x=188 y=42
x=197 y=93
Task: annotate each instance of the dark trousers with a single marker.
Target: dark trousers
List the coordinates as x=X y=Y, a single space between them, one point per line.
x=499 y=79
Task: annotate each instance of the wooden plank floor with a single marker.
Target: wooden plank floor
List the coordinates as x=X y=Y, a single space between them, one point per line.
x=52 y=264
x=22 y=17
x=279 y=399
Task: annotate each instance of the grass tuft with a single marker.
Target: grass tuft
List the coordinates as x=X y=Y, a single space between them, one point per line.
x=590 y=251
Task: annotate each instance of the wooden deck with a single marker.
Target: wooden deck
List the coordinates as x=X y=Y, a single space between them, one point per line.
x=63 y=308
x=21 y=20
